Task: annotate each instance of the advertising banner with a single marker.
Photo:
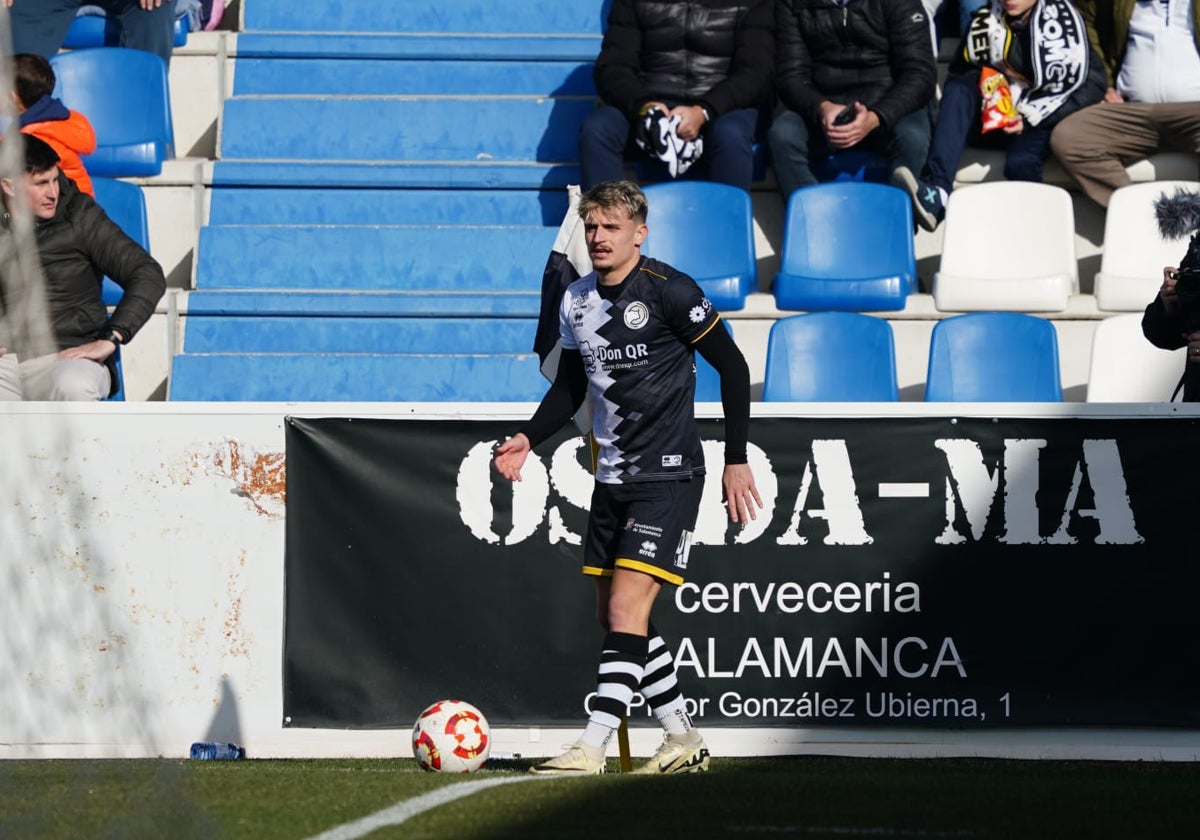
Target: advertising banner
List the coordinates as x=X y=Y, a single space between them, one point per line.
x=905 y=572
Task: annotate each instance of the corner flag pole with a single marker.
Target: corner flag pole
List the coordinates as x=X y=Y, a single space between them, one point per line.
x=623 y=746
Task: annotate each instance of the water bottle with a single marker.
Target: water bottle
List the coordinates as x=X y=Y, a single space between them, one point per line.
x=208 y=751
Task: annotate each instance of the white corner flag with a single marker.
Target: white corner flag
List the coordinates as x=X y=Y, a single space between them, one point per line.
x=568 y=262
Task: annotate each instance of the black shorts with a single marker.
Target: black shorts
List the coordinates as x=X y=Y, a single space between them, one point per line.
x=645 y=526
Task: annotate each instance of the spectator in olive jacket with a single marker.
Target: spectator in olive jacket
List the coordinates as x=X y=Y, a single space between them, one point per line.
x=77 y=245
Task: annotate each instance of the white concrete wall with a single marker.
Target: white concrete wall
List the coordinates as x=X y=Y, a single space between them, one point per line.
x=142 y=572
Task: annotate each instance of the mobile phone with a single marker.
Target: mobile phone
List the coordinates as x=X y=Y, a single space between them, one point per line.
x=846 y=115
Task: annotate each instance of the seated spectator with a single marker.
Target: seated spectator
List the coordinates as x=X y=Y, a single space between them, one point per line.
x=690 y=78
x=1151 y=55
x=1040 y=49
x=77 y=244
x=853 y=74
x=68 y=132
x=40 y=26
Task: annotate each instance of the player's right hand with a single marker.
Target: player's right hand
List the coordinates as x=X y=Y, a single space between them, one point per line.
x=510 y=456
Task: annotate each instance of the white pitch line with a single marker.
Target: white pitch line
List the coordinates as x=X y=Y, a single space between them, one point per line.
x=401 y=811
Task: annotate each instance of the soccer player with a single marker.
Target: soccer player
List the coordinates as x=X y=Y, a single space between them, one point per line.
x=629 y=333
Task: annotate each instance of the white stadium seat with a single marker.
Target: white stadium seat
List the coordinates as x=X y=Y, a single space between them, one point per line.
x=1008 y=246
x=1134 y=251
x=1125 y=367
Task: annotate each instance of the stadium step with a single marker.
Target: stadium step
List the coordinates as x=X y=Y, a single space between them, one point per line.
x=570 y=17
x=390 y=128
x=373 y=257
x=343 y=377
x=292 y=206
x=284 y=334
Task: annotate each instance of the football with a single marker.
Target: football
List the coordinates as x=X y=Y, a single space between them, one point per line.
x=451 y=736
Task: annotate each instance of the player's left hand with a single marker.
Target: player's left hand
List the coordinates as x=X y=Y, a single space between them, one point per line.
x=150 y=5
x=739 y=493
x=511 y=455
x=97 y=350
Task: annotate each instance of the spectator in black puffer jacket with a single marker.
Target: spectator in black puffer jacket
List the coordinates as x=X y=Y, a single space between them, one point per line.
x=708 y=62
x=869 y=60
x=77 y=245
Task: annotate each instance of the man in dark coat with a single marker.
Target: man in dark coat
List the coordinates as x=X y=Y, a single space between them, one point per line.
x=853 y=75
x=705 y=65
x=77 y=244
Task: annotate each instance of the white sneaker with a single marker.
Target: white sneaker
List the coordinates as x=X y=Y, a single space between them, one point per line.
x=674 y=756
x=574 y=762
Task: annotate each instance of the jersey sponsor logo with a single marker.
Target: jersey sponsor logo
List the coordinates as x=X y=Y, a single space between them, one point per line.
x=637 y=315
x=672 y=460
x=683 y=549
x=700 y=311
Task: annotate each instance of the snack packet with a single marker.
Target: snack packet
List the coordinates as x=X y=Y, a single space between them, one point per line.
x=998 y=110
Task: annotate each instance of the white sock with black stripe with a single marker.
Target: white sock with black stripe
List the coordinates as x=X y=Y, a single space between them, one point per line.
x=622 y=662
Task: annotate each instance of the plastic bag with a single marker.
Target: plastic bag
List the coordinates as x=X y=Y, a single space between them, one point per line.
x=998 y=109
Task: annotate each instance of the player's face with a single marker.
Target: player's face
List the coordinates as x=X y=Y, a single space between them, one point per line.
x=1016 y=8
x=613 y=240
x=41 y=191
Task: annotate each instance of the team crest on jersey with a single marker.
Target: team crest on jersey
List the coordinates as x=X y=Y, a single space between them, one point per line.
x=700 y=311
x=636 y=315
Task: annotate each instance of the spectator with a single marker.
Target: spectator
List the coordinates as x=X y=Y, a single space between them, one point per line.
x=68 y=132
x=40 y=26
x=704 y=64
x=77 y=244
x=868 y=59
x=1041 y=47
x=1151 y=55
x=1172 y=319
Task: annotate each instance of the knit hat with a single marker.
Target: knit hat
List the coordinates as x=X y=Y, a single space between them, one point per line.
x=1179 y=215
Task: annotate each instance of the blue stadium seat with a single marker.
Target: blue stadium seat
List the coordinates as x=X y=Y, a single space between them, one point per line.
x=847 y=245
x=831 y=357
x=705 y=230
x=125 y=204
x=124 y=94
x=993 y=357
x=708 y=381
x=356 y=377
x=853 y=165
x=93 y=29
x=119 y=395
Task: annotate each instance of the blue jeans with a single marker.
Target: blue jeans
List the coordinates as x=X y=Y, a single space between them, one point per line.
x=795 y=145
x=40 y=26
x=605 y=139
x=958 y=123
x=966 y=8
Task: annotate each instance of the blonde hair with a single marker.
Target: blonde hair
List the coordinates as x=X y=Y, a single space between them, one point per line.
x=610 y=195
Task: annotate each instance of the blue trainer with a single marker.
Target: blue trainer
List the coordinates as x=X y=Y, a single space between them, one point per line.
x=927 y=202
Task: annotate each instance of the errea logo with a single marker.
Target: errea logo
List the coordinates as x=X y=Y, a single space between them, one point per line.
x=648 y=548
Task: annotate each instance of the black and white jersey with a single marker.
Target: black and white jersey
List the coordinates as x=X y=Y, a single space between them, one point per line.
x=637 y=341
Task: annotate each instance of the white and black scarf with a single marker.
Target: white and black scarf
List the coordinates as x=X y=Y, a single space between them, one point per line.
x=1059 y=47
